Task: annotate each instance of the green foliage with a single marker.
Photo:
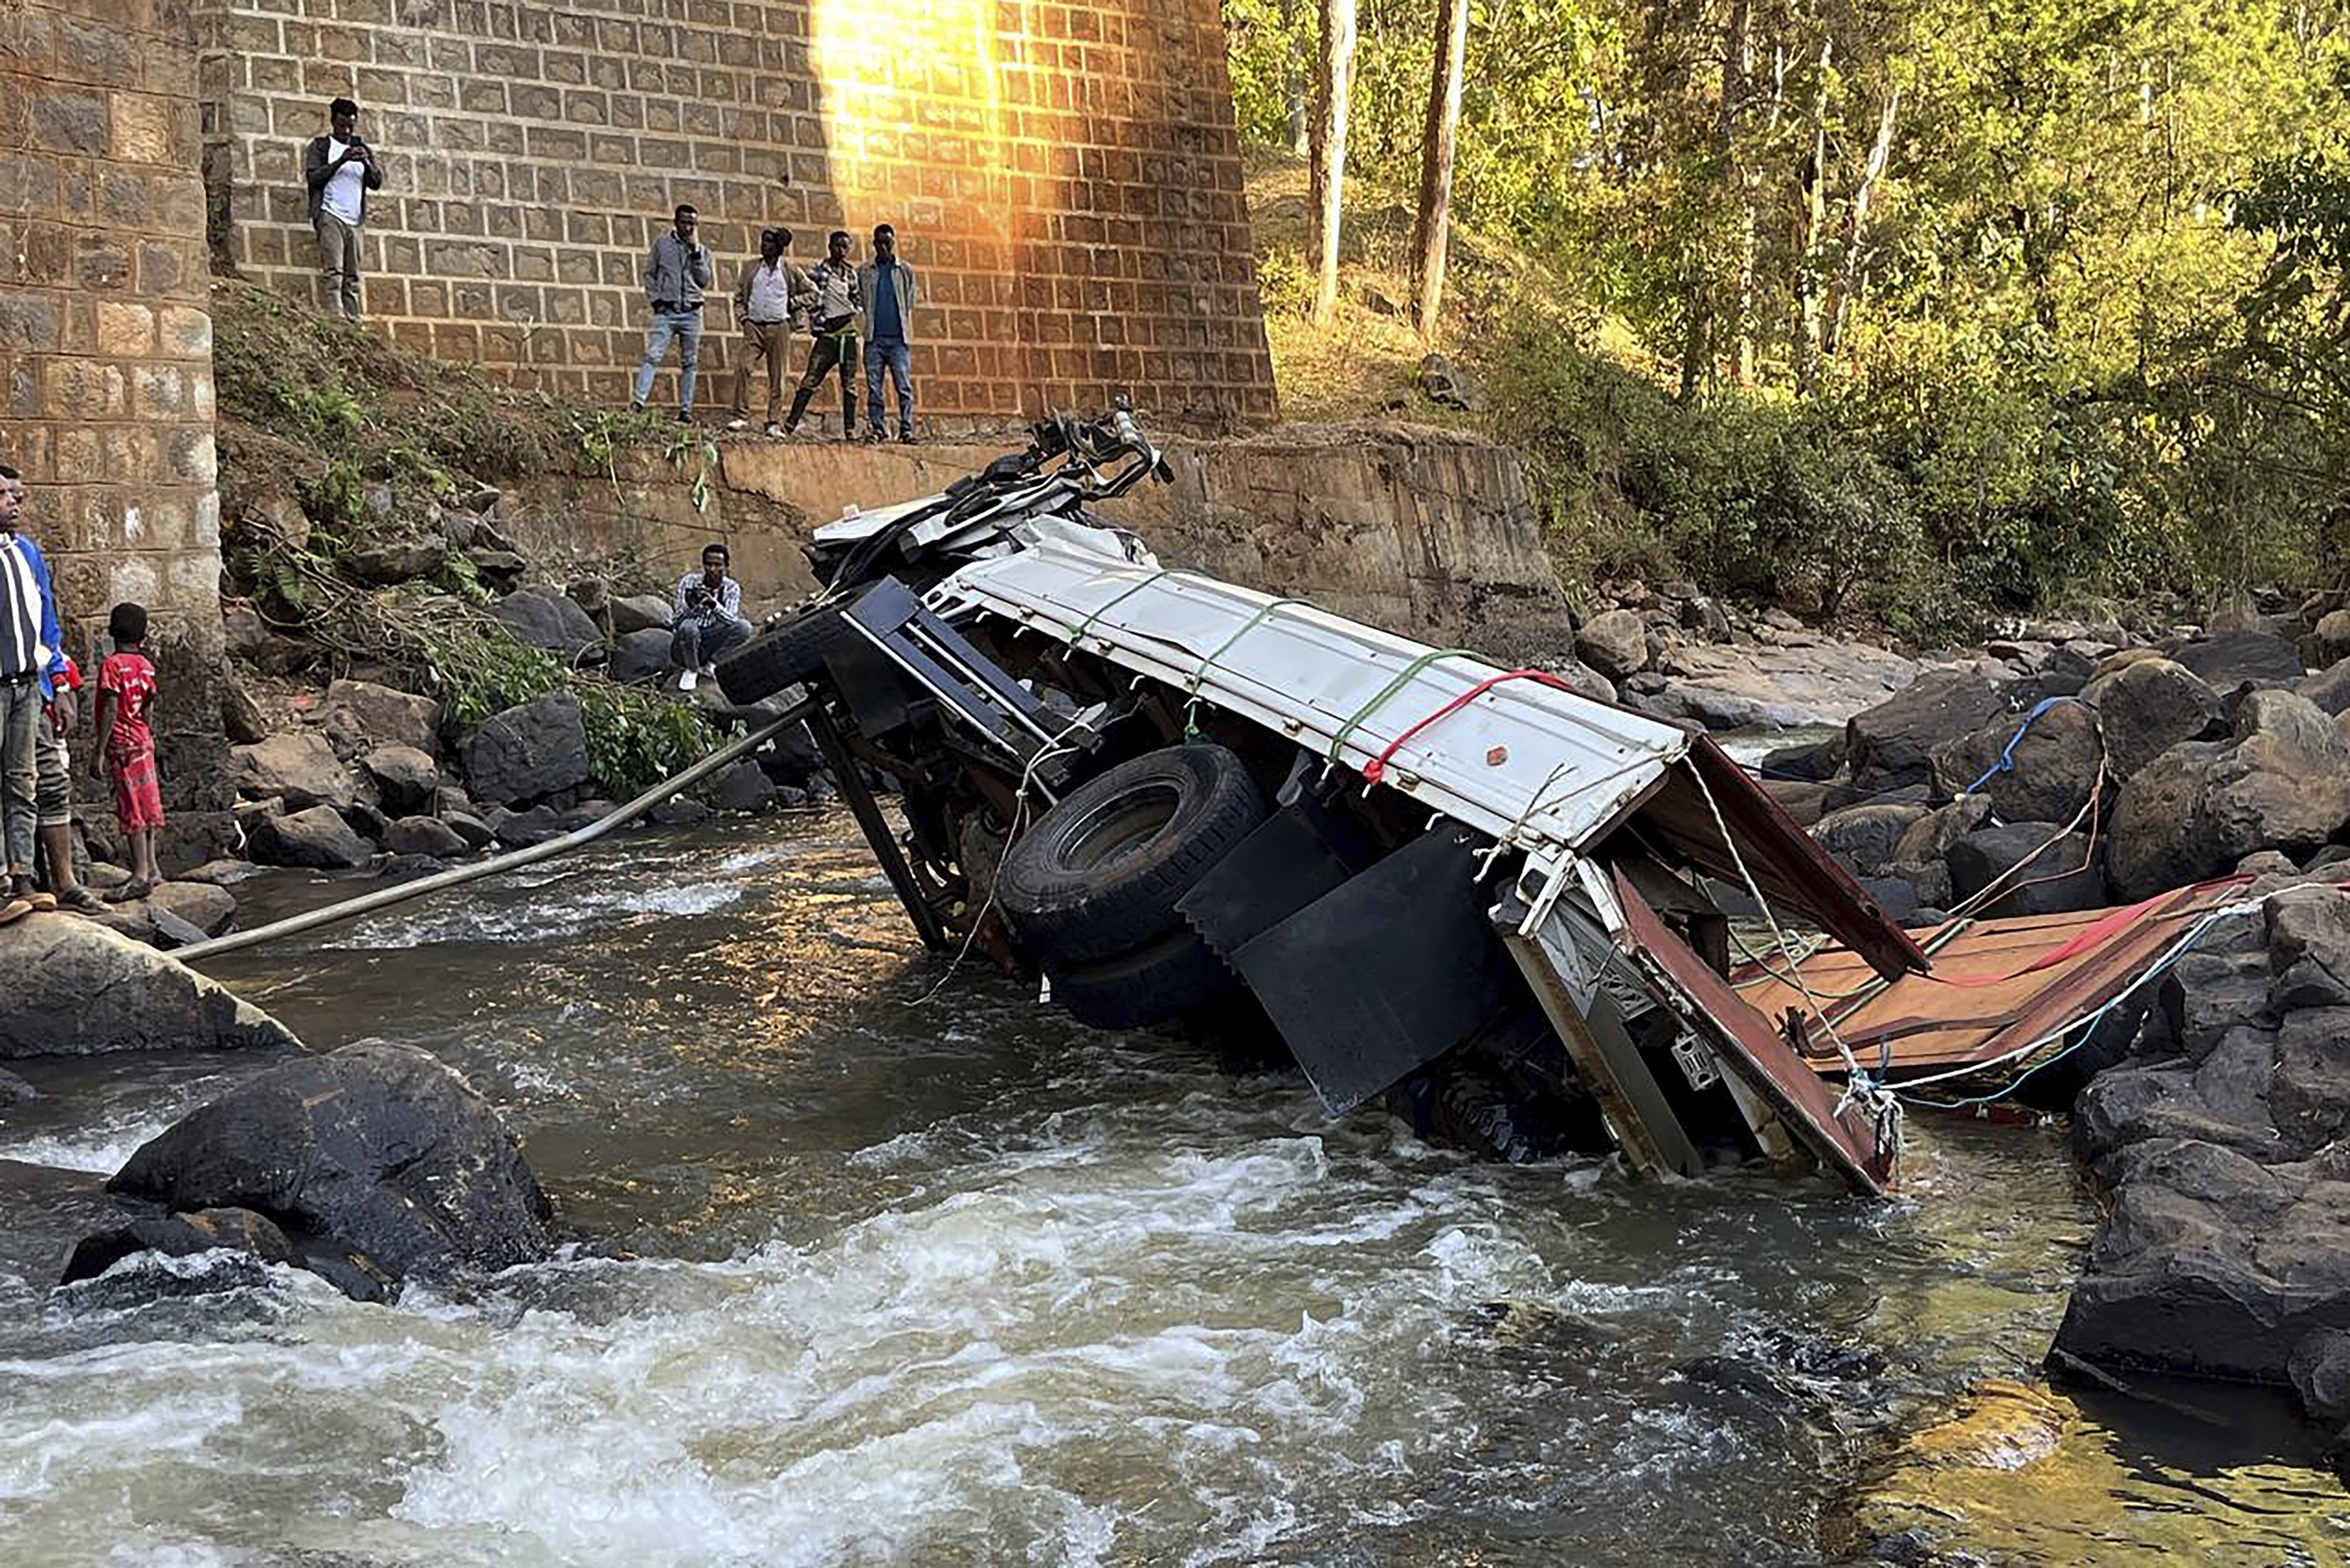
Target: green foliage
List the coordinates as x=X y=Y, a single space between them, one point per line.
x=2083 y=329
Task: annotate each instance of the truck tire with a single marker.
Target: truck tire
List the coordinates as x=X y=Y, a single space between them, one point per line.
x=1098 y=875
x=784 y=657
x=1154 y=984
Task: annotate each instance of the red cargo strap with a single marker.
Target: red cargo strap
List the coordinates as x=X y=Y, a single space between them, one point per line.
x=1377 y=766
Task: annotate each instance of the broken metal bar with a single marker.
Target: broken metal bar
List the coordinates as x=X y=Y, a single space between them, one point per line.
x=876 y=828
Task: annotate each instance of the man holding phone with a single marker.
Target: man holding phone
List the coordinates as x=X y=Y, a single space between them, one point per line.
x=340 y=169
x=677 y=269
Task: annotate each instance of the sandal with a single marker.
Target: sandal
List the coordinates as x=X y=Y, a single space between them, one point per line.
x=131 y=892
x=43 y=903
x=80 y=900
x=13 y=910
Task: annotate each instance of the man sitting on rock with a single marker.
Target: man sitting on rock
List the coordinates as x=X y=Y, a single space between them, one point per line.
x=707 y=619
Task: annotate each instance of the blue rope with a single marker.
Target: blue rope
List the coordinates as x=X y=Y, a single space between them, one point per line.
x=2006 y=763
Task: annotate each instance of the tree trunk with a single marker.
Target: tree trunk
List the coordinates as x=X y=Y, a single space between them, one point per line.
x=1855 y=222
x=1432 y=232
x=1737 y=83
x=1293 y=83
x=1808 y=259
x=1336 y=86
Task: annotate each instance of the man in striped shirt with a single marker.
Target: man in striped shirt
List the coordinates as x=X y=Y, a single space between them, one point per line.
x=31 y=654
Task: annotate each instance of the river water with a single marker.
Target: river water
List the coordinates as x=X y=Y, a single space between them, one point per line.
x=878 y=1264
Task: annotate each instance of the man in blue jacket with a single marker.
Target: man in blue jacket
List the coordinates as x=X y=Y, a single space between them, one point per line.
x=31 y=653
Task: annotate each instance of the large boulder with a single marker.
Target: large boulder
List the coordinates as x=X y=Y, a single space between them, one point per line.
x=1892 y=745
x=2148 y=705
x=356 y=715
x=407 y=779
x=424 y=836
x=2281 y=781
x=76 y=988
x=388 y=561
x=375 y=1159
x=1863 y=838
x=2330 y=640
x=2238 y=658
x=639 y=612
x=1615 y=644
x=206 y=907
x=294 y=766
x=639 y=656
x=552 y=621
x=318 y=838
x=2329 y=689
x=2045 y=775
x=528 y=752
x=2058 y=871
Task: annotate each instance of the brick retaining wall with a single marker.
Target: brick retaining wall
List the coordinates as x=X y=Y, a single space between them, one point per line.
x=106 y=382
x=1066 y=178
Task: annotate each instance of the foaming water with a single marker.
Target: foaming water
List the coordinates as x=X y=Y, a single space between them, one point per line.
x=871 y=1279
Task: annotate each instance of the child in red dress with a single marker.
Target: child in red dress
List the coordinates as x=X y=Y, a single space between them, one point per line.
x=126 y=746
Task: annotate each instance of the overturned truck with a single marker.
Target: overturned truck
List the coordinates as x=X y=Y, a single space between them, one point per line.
x=1475 y=891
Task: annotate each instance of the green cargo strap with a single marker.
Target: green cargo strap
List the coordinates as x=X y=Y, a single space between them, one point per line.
x=1192 y=691
x=1404 y=679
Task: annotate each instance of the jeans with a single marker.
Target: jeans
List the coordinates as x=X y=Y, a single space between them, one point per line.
x=55 y=772
x=685 y=325
x=694 y=644
x=20 y=765
x=897 y=357
x=338 y=266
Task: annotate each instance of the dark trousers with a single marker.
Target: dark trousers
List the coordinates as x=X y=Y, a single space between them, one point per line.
x=834 y=348
x=696 y=643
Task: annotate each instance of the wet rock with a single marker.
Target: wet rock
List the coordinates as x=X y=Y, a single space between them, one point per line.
x=1615 y=644
x=791 y=759
x=406 y=778
x=470 y=830
x=640 y=612
x=1893 y=743
x=1863 y=838
x=389 y=561
x=368 y=820
x=295 y=766
x=2063 y=876
x=2148 y=705
x=679 y=810
x=2045 y=776
x=639 y=656
x=222 y=873
x=77 y=989
x=14 y=1091
x=1816 y=763
x=2236 y=657
x=523 y=829
x=551 y=621
x=207 y=909
x=744 y=787
x=376 y=1151
x=2319 y=1368
x=178 y=1236
x=533 y=750
x=358 y=715
x=317 y=838
x=2210 y=1265
x=425 y=836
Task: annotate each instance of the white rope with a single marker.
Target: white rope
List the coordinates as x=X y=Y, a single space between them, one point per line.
x=1062 y=746
x=1859 y=1088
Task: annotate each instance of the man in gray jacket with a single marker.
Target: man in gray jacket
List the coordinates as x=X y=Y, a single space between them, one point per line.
x=339 y=170
x=885 y=287
x=677 y=270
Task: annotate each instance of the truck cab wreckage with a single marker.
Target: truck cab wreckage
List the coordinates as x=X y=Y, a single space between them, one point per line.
x=1473 y=890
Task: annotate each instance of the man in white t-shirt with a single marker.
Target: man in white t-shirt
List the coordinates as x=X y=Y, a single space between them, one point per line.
x=340 y=169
